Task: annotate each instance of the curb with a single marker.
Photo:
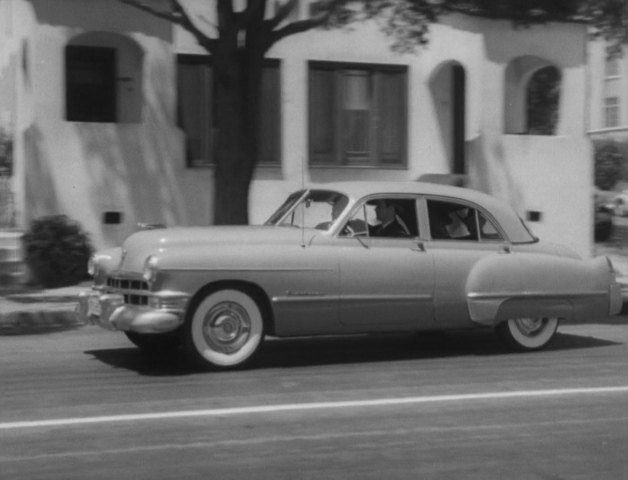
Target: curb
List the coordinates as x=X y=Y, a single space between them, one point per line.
x=25 y=322
x=28 y=311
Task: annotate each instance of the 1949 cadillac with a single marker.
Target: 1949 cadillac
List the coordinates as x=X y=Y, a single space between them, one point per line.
x=346 y=258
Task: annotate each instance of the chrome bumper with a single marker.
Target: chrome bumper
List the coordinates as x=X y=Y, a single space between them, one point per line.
x=109 y=311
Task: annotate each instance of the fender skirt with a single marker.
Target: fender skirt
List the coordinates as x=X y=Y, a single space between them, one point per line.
x=528 y=285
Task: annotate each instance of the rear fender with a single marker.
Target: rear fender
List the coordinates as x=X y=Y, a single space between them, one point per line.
x=504 y=286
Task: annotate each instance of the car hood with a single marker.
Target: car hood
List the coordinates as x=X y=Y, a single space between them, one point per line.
x=140 y=245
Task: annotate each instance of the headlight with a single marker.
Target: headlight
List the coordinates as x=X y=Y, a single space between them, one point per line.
x=150 y=269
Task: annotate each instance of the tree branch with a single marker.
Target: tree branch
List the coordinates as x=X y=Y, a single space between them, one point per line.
x=282 y=13
x=255 y=9
x=142 y=5
x=299 y=27
x=186 y=22
x=178 y=16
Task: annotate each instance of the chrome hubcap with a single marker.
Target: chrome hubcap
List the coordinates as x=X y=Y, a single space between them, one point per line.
x=226 y=327
x=530 y=326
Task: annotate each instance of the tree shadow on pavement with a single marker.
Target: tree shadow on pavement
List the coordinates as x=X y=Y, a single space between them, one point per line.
x=349 y=349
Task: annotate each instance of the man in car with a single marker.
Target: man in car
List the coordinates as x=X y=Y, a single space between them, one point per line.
x=390 y=225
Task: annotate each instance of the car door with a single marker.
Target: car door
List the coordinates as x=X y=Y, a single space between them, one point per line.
x=386 y=283
x=460 y=235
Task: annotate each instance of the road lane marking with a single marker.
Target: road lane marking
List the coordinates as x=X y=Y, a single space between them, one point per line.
x=479 y=431
x=291 y=407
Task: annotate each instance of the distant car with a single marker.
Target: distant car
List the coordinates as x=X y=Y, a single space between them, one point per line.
x=603 y=218
x=457 y=259
x=621 y=204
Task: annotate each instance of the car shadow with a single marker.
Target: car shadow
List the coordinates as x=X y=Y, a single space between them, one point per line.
x=166 y=364
x=330 y=350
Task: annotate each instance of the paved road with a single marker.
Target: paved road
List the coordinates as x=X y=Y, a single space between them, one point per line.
x=85 y=404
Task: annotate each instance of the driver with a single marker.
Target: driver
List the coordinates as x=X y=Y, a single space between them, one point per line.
x=390 y=226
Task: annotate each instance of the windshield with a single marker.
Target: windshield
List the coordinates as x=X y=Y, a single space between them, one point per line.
x=310 y=209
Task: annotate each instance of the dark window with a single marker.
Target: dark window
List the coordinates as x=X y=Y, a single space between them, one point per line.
x=196 y=104
x=543 y=98
x=357 y=114
x=454 y=221
x=384 y=217
x=90 y=84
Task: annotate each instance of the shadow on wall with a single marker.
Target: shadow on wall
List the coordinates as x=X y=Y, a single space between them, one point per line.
x=89 y=16
x=489 y=172
x=139 y=169
x=41 y=193
x=132 y=169
x=500 y=44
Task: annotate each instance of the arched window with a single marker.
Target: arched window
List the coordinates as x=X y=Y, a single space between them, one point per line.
x=103 y=79
x=532 y=97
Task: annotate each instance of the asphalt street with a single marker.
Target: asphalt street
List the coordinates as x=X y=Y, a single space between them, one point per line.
x=84 y=403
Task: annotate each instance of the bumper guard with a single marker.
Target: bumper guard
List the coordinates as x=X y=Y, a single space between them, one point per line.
x=109 y=311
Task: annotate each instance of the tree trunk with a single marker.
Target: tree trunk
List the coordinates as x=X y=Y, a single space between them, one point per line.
x=237 y=92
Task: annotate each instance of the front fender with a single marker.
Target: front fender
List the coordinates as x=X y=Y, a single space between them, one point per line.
x=504 y=286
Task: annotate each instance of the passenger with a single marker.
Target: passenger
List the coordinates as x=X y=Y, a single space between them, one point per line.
x=439 y=220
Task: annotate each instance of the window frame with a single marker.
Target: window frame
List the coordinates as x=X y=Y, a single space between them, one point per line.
x=335 y=74
x=427 y=228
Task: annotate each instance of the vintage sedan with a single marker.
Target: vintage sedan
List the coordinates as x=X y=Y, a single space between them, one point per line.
x=346 y=258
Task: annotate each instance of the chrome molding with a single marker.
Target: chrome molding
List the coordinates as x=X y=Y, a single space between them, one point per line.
x=294 y=297
x=529 y=295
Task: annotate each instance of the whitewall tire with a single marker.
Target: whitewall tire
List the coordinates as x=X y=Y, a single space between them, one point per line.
x=526 y=334
x=225 y=329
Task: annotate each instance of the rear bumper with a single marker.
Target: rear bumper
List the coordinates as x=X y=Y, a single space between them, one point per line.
x=109 y=311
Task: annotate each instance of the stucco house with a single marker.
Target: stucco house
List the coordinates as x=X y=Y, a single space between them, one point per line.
x=110 y=112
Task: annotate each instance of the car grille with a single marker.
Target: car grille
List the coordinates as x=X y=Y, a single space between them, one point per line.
x=135 y=292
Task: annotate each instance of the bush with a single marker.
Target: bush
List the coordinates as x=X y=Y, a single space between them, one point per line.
x=608 y=165
x=57 y=251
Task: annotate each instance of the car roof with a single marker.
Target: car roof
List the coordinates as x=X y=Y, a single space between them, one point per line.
x=505 y=215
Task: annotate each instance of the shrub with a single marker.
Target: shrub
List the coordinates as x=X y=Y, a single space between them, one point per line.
x=57 y=251
x=608 y=165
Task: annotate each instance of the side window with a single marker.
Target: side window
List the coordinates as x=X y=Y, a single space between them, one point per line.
x=456 y=221
x=384 y=217
x=487 y=229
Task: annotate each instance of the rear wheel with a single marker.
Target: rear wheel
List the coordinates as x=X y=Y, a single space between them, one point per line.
x=224 y=330
x=526 y=334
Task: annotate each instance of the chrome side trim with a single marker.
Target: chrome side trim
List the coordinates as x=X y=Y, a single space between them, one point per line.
x=294 y=298
x=528 y=295
x=260 y=269
x=387 y=298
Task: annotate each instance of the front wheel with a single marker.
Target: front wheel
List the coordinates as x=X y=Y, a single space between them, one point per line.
x=526 y=334
x=224 y=330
